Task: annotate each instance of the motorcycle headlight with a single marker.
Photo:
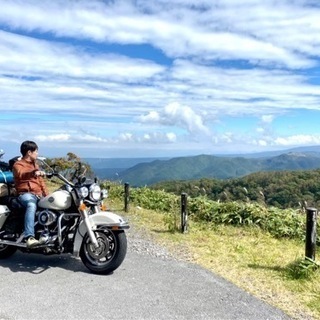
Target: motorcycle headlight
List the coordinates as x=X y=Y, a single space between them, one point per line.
x=95 y=192
x=83 y=192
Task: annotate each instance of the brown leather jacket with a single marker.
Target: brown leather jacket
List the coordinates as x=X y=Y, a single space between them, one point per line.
x=26 y=181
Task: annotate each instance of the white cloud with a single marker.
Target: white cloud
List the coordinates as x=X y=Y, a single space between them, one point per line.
x=172 y=137
x=262 y=143
x=53 y=138
x=43 y=59
x=177 y=115
x=152 y=116
x=73 y=68
x=296 y=140
x=149 y=138
x=198 y=33
x=126 y=136
x=267 y=118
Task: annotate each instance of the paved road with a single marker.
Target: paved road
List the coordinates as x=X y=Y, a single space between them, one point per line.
x=144 y=287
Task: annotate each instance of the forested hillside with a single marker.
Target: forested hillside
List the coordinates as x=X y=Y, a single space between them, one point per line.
x=290 y=179
x=282 y=189
x=189 y=168
x=206 y=166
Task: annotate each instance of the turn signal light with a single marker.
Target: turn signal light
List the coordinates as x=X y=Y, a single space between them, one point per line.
x=82 y=207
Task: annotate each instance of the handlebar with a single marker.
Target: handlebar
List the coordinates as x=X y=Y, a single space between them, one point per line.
x=60 y=176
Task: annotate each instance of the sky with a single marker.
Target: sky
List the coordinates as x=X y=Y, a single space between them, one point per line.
x=159 y=78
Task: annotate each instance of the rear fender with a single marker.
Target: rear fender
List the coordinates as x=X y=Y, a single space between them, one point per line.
x=103 y=218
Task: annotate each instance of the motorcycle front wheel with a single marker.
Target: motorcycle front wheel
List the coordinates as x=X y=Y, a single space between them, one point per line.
x=110 y=253
x=6 y=251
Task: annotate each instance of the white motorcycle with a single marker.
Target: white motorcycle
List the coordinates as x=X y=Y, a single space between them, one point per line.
x=72 y=220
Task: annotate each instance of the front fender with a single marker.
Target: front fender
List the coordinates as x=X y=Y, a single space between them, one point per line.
x=102 y=218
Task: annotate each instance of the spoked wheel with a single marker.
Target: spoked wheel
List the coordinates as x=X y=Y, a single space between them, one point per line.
x=110 y=253
x=6 y=251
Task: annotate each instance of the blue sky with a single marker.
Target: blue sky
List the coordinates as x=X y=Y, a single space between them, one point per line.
x=159 y=78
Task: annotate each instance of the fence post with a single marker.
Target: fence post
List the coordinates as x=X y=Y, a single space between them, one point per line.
x=311 y=233
x=126 y=197
x=184 y=213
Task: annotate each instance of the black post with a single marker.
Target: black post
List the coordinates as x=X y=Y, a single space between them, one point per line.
x=126 y=197
x=184 y=213
x=311 y=233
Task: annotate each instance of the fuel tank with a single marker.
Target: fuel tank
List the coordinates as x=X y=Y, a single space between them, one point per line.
x=58 y=200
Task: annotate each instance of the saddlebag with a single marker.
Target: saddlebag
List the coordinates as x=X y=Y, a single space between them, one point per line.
x=4 y=190
x=4 y=212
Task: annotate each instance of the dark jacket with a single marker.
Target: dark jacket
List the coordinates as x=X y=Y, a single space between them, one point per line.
x=25 y=179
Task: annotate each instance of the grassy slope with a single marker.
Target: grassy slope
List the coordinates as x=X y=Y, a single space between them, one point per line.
x=249 y=258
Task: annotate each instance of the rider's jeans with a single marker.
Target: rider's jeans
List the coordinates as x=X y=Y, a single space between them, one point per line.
x=29 y=201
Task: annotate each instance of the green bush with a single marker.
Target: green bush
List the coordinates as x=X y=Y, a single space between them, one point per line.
x=302 y=269
x=289 y=223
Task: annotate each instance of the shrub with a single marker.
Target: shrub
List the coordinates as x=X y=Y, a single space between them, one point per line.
x=289 y=223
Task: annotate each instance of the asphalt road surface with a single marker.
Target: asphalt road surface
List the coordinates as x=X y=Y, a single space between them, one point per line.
x=143 y=287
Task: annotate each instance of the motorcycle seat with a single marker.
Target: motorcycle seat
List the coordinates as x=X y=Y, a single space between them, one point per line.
x=15 y=203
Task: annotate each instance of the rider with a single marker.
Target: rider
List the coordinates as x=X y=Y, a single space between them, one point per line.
x=30 y=187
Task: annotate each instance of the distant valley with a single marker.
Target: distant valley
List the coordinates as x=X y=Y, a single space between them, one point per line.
x=148 y=171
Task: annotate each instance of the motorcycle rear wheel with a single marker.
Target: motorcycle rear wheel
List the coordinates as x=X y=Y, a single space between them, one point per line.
x=110 y=253
x=6 y=251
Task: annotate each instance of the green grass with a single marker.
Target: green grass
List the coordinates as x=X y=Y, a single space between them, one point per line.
x=274 y=270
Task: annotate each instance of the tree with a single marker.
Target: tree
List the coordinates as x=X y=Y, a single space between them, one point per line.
x=71 y=161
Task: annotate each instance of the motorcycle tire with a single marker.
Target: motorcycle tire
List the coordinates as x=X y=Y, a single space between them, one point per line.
x=110 y=253
x=6 y=251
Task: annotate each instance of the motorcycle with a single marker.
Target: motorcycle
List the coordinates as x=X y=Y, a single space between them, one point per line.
x=71 y=220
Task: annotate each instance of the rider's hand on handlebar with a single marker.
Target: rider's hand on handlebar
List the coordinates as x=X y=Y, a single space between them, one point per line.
x=39 y=173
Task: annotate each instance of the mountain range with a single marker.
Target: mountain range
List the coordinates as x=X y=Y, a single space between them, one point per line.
x=148 y=171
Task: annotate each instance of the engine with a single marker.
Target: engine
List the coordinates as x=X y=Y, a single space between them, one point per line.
x=46 y=217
